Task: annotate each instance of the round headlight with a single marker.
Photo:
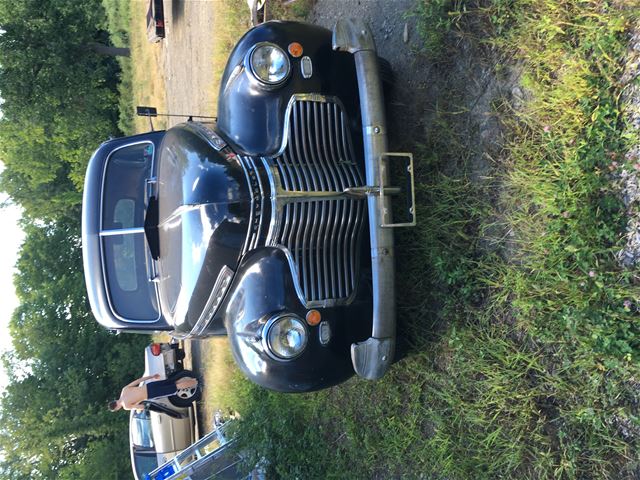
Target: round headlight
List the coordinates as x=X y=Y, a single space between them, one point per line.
x=269 y=63
x=286 y=337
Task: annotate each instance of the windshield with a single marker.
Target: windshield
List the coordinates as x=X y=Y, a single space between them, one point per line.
x=143 y=463
x=127 y=263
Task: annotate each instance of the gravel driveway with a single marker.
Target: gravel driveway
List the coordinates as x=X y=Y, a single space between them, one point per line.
x=388 y=21
x=187 y=53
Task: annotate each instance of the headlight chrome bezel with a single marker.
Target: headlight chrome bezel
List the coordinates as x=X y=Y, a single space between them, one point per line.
x=249 y=64
x=267 y=331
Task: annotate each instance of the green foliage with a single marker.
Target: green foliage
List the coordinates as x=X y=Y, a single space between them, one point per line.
x=522 y=357
x=61 y=364
x=295 y=11
x=59 y=105
x=59 y=100
x=561 y=155
x=118 y=14
x=436 y=19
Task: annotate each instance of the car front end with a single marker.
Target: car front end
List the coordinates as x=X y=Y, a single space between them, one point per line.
x=272 y=225
x=302 y=110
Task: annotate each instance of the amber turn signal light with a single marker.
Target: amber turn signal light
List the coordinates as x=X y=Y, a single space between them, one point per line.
x=313 y=317
x=295 y=49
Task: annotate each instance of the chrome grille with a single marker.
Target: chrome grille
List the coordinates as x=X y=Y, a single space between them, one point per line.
x=321 y=235
x=319 y=155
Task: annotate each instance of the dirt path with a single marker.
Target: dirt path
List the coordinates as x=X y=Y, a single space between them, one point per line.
x=187 y=53
x=387 y=20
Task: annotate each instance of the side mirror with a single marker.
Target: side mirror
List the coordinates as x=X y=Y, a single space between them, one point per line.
x=146 y=111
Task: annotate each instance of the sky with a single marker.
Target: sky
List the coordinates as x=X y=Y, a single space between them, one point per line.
x=10 y=240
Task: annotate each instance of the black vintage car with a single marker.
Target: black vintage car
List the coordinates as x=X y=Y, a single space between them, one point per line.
x=271 y=225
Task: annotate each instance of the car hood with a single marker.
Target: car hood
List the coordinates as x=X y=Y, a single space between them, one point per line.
x=203 y=220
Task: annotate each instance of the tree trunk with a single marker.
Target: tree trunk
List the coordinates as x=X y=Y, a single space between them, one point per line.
x=109 y=50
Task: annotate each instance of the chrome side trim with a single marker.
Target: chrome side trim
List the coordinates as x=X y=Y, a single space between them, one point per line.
x=257 y=203
x=212 y=137
x=121 y=231
x=260 y=211
x=274 y=183
x=254 y=195
x=219 y=289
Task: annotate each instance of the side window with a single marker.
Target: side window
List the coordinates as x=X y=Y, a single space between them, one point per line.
x=141 y=430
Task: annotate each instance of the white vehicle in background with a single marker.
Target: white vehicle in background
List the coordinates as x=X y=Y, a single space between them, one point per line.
x=167 y=425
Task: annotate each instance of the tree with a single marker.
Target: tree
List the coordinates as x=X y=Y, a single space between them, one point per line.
x=64 y=363
x=60 y=99
x=60 y=103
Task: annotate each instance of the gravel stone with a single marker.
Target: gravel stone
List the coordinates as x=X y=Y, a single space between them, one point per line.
x=627 y=181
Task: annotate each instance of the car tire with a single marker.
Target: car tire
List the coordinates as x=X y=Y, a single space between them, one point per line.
x=185 y=398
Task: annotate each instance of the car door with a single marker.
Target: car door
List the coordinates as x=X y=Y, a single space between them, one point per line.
x=171 y=435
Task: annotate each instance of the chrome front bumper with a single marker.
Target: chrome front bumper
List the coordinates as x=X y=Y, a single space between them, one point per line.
x=373 y=357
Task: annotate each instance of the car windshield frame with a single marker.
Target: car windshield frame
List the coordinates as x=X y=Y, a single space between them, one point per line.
x=127 y=236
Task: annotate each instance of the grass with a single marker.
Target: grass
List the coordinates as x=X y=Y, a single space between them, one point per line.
x=219 y=369
x=142 y=80
x=147 y=72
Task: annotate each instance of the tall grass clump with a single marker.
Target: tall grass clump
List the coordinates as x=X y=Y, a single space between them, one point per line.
x=540 y=381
